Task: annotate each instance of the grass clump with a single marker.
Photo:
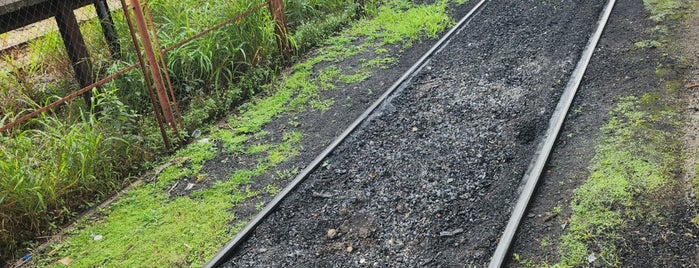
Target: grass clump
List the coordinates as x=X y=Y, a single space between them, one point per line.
x=57 y=167
x=663 y=10
x=634 y=161
x=150 y=226
x=187 y=230
x=58 y=164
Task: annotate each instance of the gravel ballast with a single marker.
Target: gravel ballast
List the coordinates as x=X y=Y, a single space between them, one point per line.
x=431 y=177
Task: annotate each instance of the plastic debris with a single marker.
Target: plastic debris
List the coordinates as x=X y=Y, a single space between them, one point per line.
x=189 y=186
x=66 y=261
x=96 y=237
x=592 y=258
x=196 y=134
x=26 y=257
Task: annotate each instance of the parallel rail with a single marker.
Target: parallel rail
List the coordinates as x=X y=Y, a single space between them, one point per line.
x=531 y=177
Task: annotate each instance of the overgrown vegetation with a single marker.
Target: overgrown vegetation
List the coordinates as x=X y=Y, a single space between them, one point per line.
x=64 y=161
x=149 y=225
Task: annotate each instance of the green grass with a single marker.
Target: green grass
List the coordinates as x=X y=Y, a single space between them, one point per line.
x=56 y=167
x=150 y=226
x=634 y=161
x=634 y=164
x=47 y=180
x=663 y=10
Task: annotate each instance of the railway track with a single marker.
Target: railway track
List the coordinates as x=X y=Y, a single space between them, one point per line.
x=341 y=231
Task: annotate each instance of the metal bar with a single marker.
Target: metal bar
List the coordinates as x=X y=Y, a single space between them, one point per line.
x=276 y=8
x=555 y=124
x=75 y=45
x=238 y=239
x=67 y=98
x=146 y=77
x=107 y=23
x=161 y=55
x=153 y=65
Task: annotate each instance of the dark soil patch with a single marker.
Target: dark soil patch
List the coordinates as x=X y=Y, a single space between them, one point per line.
x=617 y=69
x=430 y=179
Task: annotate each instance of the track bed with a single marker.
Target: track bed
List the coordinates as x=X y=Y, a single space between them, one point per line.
x=431 y=177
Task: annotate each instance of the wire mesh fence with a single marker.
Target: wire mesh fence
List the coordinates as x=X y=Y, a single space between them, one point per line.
x=205 y=44
x=61 y=59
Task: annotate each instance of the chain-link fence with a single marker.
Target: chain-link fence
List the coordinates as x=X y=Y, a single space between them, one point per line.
x=206 y=43
x=146 y=58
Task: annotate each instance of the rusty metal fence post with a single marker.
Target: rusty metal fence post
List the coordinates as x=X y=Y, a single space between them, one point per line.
x=166 y=104
x=276 y=8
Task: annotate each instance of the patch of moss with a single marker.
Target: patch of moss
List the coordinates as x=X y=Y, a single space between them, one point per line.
x=635 y=159
x=662 y=10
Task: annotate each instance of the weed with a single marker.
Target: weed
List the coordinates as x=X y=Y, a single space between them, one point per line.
x=287 y=174
x=635 y=158
x=545 y=243
x=523 y=262
x=647 y=44
x=272 y=189
x=662 y=10
x=260 y=205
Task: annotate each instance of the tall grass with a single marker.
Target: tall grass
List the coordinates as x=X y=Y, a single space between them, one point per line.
x=62 y=161
x=48 y=172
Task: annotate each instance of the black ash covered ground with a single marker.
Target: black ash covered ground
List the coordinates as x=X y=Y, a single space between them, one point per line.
x=430 y=179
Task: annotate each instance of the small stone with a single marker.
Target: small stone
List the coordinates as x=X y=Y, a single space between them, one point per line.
x=362 y=261
x=332 y=233
x=364 y=232
x=451 y=233
x=321 y=194
x=414 y=129
x=350 y=249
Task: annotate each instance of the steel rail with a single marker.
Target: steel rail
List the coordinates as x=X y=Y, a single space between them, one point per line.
x=542 y=155
x=401 y=82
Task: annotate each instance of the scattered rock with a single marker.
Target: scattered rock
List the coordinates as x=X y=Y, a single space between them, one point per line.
x=592 y=258
x=321 y=194
x=332 y=233
x=451 y=233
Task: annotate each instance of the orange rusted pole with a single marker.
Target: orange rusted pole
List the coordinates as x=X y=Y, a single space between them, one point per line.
x=276 y=8
x=146 y=77
x=161 y=55
x=153 y=65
